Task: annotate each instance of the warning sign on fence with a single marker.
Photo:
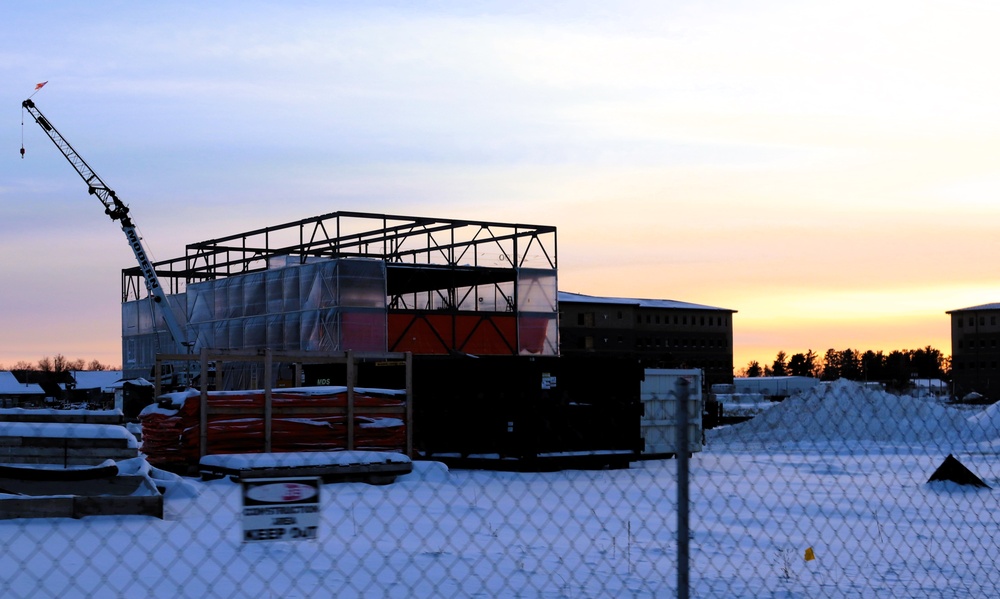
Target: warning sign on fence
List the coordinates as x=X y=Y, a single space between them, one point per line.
x=280 y=509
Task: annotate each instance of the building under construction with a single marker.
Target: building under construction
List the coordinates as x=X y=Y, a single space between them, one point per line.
x=353 y=281
x=476 y=301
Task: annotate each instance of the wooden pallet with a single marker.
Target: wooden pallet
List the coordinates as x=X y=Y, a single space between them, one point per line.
x=376 y=468
x=62 y=416
x=69 y=439
x=114 y=496
x=64 y=451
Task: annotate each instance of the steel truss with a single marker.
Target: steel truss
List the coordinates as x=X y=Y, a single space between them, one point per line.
x=422 y=254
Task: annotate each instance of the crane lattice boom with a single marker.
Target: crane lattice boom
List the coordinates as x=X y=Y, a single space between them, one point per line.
x=119 y=212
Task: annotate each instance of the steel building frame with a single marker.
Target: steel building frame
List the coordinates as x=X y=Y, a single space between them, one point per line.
x=421 y=254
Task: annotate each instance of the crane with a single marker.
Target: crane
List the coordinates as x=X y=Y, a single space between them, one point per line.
x=119 y=212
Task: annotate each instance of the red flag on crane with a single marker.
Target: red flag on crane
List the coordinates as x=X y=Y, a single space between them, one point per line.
x=39 y=86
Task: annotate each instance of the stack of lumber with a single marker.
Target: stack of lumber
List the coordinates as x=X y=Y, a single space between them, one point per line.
x=63 y=437
x=302 y=419
x=64 y=463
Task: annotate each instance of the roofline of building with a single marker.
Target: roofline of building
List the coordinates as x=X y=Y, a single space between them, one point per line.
x=980 y=308
x=580 y=298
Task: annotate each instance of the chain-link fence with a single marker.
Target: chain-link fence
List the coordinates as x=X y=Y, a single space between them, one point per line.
x=825 y=494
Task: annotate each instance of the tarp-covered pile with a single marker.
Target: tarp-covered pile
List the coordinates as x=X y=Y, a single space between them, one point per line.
x=303 y=419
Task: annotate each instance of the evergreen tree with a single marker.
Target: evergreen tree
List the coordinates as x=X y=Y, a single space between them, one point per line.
x=812 y=366
x=831 y=365
x=803 y=364
x=872 y=365
x=927 y=363
x=850 y=365
x=780 y=367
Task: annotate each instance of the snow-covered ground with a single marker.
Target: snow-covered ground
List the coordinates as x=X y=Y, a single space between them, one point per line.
x=841 y=471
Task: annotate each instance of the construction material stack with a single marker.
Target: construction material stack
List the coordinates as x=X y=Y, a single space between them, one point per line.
x=305 y=419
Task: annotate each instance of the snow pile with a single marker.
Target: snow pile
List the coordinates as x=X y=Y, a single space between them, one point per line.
x=845 y=411
x=987 y=423
x=426 y=472
x=171 y=485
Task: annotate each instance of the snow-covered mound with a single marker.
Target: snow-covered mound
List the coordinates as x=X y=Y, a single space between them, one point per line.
x=988 y=419
x=847 y=411
x=425 y=471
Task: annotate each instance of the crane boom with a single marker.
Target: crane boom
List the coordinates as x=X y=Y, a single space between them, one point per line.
x=118 y=211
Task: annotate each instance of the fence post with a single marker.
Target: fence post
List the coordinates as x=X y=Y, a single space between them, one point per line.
x=683 y=524
x=203 y=405
x=268 y=398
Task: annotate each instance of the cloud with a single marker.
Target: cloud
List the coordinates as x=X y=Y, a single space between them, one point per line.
x=738 y=151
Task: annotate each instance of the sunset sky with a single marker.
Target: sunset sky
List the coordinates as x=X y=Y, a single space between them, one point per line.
x=830 y=170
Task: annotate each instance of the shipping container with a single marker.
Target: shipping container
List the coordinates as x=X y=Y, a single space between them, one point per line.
x=527 y=413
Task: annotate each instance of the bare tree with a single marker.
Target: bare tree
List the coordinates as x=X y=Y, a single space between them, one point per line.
x=60 y=363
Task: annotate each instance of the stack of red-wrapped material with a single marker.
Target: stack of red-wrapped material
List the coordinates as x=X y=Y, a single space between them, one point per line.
x=303 y=419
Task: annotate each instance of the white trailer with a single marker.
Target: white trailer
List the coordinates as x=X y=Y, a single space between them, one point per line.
x=774 y=387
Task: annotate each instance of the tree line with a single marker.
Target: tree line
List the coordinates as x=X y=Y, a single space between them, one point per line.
x=895 y=368
x=60 y=363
